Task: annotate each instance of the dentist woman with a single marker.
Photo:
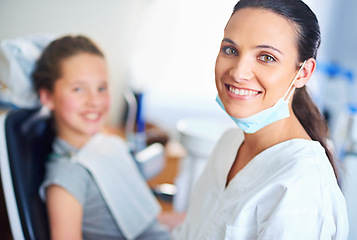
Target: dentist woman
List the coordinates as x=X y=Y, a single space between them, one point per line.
x=279 y=182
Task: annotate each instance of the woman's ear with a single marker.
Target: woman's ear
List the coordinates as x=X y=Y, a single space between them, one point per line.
x=305 y=73
x=46 y=98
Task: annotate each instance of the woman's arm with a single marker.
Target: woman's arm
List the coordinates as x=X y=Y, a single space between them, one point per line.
x=65 y=214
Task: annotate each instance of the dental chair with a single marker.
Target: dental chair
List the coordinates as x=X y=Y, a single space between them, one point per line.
x=25 y=140
x=26 y=137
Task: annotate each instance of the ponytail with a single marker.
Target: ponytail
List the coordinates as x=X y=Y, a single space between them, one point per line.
x=312 y=120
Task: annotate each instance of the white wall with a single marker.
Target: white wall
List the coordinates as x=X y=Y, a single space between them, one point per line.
x=337 y=20
x=111 y=24
x=324 y=13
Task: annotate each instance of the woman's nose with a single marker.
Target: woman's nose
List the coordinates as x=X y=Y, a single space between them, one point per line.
x=242 y=70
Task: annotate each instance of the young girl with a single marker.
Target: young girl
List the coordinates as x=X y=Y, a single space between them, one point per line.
x=277 y=180
x=92 y=187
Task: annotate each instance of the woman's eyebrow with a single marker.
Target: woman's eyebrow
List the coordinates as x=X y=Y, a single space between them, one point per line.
x=259 y=46
x=229 y=41
x=270 y=47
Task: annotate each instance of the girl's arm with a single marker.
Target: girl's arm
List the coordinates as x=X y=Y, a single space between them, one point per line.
x=65 y=214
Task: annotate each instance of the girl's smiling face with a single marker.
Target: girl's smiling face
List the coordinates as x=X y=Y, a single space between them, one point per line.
x=257 y=62
x=80 y=98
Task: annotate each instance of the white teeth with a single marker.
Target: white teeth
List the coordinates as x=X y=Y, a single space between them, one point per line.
x=242 y=92
x=92 y=116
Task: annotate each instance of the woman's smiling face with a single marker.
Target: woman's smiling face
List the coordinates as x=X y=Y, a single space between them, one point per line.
x=257 y=62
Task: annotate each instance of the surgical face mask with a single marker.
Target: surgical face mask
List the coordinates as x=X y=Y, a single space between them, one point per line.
x=270 y=115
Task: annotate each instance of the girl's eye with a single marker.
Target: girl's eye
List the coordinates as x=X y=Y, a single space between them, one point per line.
x=267 y=58
x=230 y=51
x=103 y=89
x=77 y=89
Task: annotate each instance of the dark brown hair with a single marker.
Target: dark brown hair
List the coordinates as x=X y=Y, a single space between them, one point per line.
x=308 y=31
x=48 y=68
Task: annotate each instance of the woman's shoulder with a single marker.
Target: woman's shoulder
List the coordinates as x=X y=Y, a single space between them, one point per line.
x=297 y=153
x=302 y=179
x=298 y=164
x=298 y=146
x=307 y=167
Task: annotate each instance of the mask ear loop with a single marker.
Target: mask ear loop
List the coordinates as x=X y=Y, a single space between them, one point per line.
x=292 y=83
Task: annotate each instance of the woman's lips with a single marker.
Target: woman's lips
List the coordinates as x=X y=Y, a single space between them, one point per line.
x=241 y=91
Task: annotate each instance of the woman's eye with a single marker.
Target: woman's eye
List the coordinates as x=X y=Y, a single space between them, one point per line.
x=267 y=58
x=230 y=51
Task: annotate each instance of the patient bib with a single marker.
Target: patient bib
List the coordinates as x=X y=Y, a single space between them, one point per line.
x=124 y=190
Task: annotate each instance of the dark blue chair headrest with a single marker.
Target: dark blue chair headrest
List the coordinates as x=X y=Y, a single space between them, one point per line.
x=29 y=136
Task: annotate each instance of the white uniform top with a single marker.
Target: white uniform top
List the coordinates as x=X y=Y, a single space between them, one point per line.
x=288 y=191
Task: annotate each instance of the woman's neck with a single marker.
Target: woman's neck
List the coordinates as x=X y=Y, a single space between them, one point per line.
x=280 y=131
